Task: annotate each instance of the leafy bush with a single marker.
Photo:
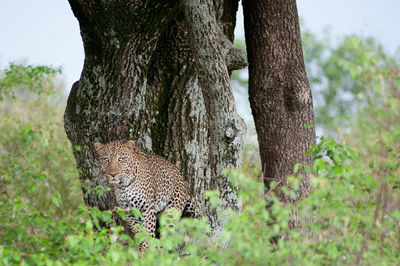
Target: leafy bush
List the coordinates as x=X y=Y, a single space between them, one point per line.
x=347 y=78
x=32 y=78
x=35 y=157
x=355 y=221
x=37 y=172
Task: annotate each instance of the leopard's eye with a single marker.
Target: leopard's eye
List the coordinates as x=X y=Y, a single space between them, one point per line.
x=120 y=159
x=105 y=159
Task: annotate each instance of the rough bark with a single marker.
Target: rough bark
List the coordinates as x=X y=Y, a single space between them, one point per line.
x=279 y=92
x=157 y=72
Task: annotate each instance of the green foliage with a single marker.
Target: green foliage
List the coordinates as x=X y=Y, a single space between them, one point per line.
x=346 y=78
x=350 y=224
x=352 y=216
x=32 y=78
x=356 y=95
x=355 y=207
x=37 y=175
x=31 y=137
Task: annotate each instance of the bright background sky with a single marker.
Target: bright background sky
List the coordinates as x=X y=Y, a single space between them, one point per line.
x=46 y=31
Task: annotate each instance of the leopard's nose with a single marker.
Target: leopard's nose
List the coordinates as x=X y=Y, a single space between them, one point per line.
x=113 y=174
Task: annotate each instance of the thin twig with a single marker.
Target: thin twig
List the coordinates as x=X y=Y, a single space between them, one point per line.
x=269 y=191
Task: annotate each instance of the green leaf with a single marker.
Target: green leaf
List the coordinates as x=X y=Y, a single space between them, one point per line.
x=106 y=216
x=297 y=167
x=213 y=197
x=136 y=213
x=89 y=225
x=121 y=214
x=307 y=169
x=317 y=227
x=16 y=256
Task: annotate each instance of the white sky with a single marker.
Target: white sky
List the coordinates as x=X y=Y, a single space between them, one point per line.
x=46 y=32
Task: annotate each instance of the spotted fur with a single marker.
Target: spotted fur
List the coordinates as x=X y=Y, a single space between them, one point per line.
x=143 y=181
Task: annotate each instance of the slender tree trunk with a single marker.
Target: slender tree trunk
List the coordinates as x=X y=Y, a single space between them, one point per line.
x=279 y=92
x=157 y=72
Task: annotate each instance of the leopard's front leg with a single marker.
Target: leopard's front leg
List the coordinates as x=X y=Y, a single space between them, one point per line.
x=132 y=224
x=149 y=218
x=148 y=221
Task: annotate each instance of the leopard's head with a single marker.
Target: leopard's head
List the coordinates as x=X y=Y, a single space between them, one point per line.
x=117 y=161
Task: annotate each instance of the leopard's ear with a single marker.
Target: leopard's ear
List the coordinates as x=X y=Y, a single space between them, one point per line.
x=97 y=146
x=131 y=144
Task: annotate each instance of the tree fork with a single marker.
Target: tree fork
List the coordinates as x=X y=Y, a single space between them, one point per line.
x=151 y=74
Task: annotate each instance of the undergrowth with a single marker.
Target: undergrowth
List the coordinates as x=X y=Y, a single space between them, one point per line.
x=353 y=213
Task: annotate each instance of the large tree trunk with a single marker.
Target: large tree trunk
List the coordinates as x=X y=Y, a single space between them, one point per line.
x=279 y=92
x=157 y=72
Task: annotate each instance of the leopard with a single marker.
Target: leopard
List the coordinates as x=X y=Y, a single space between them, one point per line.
x=143 y=181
